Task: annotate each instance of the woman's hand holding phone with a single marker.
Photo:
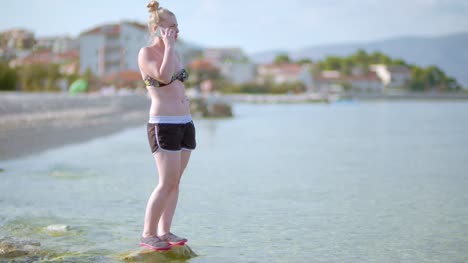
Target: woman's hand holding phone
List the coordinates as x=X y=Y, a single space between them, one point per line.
x=167 y=34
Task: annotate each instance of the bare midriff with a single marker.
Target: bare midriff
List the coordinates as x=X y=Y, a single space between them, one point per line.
x=169 y=100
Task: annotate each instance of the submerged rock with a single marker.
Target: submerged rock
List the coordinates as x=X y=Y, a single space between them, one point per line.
x=147 y=255
x=11 y=247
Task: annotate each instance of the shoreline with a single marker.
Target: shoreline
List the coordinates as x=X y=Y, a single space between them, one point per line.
x=34 y=122
x=324 y=98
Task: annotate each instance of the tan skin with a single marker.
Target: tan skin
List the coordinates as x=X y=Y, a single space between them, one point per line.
x=160 y=61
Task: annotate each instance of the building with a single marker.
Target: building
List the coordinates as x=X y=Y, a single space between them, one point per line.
x=238 y=72
x=202 y=69
x=112 y=48
x=392 y=76
x=367 y=82
x=285 y=73
x=329 y=81
x=17 y=39
x=333 y=81
x=233 y=64
x=61 y=44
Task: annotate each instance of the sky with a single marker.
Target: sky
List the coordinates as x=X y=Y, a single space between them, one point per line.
x=253 y=25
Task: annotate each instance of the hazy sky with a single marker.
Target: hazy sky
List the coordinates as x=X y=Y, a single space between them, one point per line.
x=254 y=25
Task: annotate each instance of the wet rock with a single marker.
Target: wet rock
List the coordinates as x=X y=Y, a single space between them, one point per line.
x=217 y=110
x=146 y=255
x=209 y=108
x=11 y=247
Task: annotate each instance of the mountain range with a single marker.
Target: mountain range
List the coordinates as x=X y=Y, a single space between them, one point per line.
x=448 y=52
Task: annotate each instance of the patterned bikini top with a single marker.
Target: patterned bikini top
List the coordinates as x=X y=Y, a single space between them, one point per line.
x=181 y=75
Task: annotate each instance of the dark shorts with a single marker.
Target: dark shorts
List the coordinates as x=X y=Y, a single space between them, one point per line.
x=173 y=137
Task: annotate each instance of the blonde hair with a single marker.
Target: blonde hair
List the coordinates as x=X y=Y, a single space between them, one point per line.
x=156 y=14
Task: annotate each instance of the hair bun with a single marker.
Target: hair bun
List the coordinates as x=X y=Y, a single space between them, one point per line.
x=152 y=6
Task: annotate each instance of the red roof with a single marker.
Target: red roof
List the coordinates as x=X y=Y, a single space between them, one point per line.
x=73 y=54
x=112 y=29
x=104 y=29
x=202 y=64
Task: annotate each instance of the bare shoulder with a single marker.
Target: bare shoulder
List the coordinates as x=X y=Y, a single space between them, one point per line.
x=143 y=52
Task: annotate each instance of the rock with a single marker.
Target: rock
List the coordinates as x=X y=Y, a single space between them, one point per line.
x=219 y=110
x=57 y=229
x=2 y=170
x=13 y=247
x=146 y=255
x=210 y=108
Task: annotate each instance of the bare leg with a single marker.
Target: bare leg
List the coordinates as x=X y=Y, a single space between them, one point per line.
x=168 y=164
x=165 y=222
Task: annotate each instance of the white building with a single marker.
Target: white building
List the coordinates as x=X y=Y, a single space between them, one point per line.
x=112 y=48
x=369 y=82
x=60 y=44
x=285 y=73
x=333 y=81
x=238 y=73
x=392 y=76
x=232 y=63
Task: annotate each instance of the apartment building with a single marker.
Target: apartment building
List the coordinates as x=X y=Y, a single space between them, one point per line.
x=112 y=48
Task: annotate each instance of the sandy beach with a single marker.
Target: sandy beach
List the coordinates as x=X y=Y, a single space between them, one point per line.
x=33 y=122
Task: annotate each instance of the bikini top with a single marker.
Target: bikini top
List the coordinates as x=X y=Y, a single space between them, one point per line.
x=181 y=75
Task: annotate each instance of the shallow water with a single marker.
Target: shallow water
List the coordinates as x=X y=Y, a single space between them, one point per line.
x=345 y=182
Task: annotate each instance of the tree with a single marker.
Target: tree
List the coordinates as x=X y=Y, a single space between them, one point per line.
x=8 y=77
x=304 y=61
x=282 y=58
x=39 y=77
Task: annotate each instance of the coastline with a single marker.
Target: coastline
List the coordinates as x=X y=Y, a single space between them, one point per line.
x=33 y=122
x=330 y=98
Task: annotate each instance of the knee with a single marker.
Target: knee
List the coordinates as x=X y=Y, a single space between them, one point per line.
x=169 y=186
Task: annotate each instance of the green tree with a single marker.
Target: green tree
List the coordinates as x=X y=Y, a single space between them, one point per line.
x=8 y=77
x=304 y=61
x=39 y=77
x=282 y=58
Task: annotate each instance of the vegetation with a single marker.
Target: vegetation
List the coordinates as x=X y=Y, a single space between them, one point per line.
x=8 y=77
x=422 y=79
x=35 y=77
x=267 y=88
x=283 y=58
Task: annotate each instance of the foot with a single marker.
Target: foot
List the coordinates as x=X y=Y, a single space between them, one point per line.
x=154 y=243
x=173 y=239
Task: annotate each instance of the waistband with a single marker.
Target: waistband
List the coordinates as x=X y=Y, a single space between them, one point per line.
x=171 y=119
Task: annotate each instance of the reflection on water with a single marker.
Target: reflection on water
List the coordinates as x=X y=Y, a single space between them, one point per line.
x=354 y=182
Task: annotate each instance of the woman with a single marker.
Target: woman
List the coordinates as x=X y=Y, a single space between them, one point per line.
x=171 y=132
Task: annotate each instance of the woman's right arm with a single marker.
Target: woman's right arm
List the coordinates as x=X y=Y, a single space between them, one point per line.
x=160 y=72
